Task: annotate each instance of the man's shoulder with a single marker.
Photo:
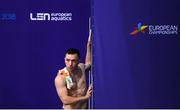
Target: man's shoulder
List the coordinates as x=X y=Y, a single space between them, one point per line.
x=61 y=74
x=85 y=66
x=81 y=65
x=60 y=70
x=59 y=79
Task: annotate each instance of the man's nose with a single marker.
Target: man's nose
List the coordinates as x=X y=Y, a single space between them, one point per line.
x=70 y=63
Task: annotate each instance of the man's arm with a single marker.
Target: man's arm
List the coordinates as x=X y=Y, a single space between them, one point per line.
x=62 y=92
x=88 y=52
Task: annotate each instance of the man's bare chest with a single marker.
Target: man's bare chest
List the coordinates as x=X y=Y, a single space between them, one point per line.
x=79 y=84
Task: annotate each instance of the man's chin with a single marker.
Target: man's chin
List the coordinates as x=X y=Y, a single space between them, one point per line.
x=71 y=69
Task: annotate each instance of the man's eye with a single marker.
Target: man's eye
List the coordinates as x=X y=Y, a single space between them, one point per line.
x=67 y=59
x=74 y=60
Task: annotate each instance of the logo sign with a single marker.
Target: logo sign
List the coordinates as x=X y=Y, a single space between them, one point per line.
x=8 y=16
x=40 y=16
x=50 y=16
x=163 y=29
x=140 y=28
x=155 y=29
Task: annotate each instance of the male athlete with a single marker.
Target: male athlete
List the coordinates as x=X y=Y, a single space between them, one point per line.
x=70 y=81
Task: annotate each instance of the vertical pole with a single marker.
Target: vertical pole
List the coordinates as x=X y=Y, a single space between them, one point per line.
x=90 y=102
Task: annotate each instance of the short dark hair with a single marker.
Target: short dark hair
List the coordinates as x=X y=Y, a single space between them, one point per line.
x=73 y=51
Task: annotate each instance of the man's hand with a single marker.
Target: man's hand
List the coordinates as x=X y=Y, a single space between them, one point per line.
x=90 y=31
x=90 y=37
x=89 y=91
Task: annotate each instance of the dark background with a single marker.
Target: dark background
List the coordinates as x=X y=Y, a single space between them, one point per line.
x=32 y=52
x=129 y=72
x=141 y=71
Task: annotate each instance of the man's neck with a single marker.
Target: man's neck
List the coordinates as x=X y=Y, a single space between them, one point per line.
x=73 y=72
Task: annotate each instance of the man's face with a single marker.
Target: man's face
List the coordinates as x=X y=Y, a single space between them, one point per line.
x=71 y=61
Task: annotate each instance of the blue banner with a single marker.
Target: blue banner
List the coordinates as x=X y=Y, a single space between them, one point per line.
x=34 y=38
x=136 y=53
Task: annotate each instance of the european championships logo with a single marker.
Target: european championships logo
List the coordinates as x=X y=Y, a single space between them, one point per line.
x=140 y=28
x=155 y=29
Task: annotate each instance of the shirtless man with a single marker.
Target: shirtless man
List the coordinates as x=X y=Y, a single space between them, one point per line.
x=70 y=81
